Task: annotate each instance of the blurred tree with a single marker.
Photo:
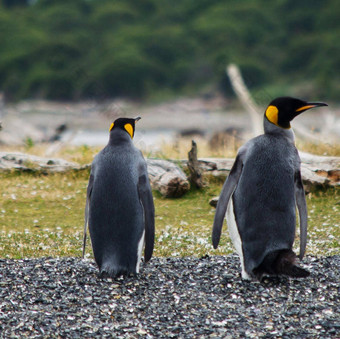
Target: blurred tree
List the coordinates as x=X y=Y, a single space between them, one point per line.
x=104 y=48
x=14 y=3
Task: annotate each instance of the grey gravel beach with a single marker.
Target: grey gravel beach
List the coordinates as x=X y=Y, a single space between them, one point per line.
x=170 y=298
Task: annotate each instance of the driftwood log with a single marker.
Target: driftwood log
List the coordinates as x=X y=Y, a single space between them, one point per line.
x=328 y=167
x=167 y=178
x=170 y=180
x=317 y=171
x=30 y=163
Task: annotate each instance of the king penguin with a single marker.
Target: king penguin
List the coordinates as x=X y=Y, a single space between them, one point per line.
x=260 y=196
x=119 y=207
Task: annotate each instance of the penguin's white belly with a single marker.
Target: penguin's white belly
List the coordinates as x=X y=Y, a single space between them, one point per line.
x=139 y=251
x=235 y=236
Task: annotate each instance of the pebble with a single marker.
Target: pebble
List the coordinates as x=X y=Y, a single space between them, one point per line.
x=171 y=298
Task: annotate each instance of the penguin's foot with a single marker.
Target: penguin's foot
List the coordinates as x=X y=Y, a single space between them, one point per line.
x=245 y=275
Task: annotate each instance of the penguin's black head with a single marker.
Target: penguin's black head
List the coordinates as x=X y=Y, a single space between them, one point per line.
x=284 y=109
x=126 y=124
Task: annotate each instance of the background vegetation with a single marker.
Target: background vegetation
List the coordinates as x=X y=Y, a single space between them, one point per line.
x=107 y=48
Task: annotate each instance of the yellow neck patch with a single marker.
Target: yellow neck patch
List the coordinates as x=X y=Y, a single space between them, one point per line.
x=272 y=114
x=111 y=126
x=129 y=129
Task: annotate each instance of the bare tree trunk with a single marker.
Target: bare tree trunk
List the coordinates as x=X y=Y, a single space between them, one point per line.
x=245 y=98
x=195 y=177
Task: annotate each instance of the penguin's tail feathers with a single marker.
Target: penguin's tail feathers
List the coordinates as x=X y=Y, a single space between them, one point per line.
x=282 y=262
x=285 y=264
x=115 y=271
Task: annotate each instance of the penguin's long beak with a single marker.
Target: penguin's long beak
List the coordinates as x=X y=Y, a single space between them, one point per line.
x=310 y=105
x=137 y=119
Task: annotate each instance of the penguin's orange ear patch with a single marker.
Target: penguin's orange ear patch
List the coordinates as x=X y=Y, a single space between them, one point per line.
x=129 y=129
x=272 y=114
x=111 y=126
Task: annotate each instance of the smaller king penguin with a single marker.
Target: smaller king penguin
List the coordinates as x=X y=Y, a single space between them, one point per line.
x=119 y=205
x=260 y=196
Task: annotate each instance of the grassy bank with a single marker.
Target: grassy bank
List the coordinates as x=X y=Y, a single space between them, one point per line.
x=43 y=216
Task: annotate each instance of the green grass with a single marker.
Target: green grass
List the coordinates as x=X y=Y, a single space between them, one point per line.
x=43 y=216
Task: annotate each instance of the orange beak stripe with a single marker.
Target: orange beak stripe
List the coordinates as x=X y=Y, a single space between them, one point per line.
x=303 y=108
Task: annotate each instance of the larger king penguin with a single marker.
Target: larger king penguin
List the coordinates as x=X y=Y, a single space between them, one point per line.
x=119 y=206
x=260 y=196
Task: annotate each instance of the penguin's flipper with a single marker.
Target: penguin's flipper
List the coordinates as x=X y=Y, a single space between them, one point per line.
x=146 y=199
x=87 y=208
x=302 y=207
x=227 y=191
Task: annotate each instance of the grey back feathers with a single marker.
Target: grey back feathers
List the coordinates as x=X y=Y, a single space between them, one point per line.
x=119 y=208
